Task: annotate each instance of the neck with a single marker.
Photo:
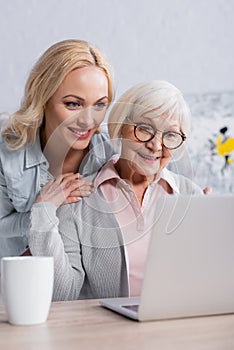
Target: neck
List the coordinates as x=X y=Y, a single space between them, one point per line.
x=138 y=182
x=128 y=173
x=61 y=159
x=73 y=161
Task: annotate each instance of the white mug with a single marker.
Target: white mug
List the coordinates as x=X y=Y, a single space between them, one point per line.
x=27 y=288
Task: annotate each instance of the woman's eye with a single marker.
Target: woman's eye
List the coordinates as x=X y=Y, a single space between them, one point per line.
x=100 y=105
x=145 y=128
x=171 y=135
x=72 y=105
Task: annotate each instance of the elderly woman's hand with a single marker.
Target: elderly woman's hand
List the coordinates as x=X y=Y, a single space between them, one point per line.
x=207 y=190
x=66 y=188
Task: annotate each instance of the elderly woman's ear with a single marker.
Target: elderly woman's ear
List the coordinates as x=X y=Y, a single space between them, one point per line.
x=120 y=133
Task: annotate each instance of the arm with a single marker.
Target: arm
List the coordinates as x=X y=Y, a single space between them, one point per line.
x=16 y=224
x=49 y=237
x=45 y=239
x=12 y=223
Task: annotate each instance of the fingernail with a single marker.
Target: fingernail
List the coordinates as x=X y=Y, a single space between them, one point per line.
x=78 y=198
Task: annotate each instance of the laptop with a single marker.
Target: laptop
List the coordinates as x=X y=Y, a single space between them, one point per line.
x=190 y=265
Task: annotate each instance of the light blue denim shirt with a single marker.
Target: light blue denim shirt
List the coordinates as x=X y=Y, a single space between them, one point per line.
x=22 y=174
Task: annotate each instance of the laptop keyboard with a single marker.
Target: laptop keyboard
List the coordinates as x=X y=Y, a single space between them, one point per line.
x=131 y=307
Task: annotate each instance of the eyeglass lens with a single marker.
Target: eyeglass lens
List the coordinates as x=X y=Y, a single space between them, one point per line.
x=170 y=139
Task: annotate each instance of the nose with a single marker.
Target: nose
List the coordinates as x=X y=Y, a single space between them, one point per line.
x=156 y=143
x=85 y=118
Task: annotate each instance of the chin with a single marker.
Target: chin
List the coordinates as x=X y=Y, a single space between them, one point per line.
x=150 y=170
x=147 y=172
x=80 y=144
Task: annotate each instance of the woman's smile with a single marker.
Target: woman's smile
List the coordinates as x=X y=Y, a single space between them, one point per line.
x=80 y=134
x=148 y=158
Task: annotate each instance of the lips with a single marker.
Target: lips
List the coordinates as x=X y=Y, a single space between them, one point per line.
x=80 y=133
x=148 y=157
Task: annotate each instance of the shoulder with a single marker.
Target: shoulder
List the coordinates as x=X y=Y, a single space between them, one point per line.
x=184 y=184
x=100 y=138
x=4 y=118
x=102 y=145
x=3 y=121
x=17 y=162
x=100 y=151
x=9 y=155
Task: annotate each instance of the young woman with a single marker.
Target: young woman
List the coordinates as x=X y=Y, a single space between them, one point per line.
x=54 y=136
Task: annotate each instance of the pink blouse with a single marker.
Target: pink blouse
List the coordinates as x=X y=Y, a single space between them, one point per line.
x=132 y=218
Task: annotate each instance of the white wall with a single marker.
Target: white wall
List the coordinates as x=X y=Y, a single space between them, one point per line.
x=188 y=42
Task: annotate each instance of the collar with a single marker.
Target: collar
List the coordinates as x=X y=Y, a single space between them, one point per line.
x=168 y=176
x=108 y=172
x=33 y=154
x=97 y=147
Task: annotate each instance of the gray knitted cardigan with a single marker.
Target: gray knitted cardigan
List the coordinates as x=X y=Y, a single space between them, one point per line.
x=87 y=245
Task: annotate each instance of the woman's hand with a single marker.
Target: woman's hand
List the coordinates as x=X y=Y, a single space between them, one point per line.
x=66 y=188
x=207 y=190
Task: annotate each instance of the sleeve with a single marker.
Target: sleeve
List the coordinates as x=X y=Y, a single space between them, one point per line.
x=46 y=238
x=12 y=223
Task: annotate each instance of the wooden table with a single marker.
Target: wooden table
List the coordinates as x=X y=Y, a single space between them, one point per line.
x=85 y=325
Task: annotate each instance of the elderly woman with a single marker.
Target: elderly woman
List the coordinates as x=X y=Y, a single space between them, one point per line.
x=99 y=245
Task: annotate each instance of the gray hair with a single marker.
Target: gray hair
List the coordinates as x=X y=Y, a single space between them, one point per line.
x=158 y=95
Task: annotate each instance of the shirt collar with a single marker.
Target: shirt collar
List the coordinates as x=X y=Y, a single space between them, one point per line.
x=167 y=176
x=97 y=147
x=109 y=172
x=33 y=154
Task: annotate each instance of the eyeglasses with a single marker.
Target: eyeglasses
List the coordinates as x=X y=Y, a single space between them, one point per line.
x=170 y=139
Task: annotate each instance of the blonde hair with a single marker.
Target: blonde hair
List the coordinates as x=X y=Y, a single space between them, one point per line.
x=157 y=95
x=45 y=78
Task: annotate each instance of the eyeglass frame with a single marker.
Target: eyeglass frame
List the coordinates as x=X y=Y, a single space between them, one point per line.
x=183 y=136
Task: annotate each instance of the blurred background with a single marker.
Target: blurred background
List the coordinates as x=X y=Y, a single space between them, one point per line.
x=187 y=42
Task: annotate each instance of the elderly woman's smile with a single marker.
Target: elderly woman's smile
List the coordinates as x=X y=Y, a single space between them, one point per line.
x=148 y=157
